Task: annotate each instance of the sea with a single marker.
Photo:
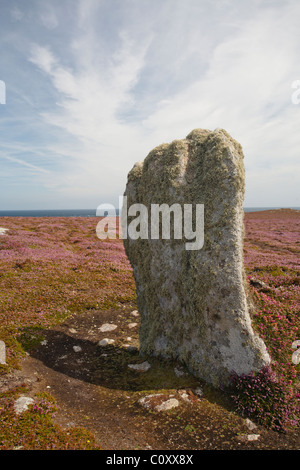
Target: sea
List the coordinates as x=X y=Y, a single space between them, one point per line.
x=93 y=212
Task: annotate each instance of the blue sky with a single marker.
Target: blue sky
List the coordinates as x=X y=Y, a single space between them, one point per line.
x=93 y=85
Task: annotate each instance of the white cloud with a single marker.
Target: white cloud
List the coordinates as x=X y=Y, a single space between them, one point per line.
x=246 y=90
x=131 y=77
x=88 y=110
x=43 y=58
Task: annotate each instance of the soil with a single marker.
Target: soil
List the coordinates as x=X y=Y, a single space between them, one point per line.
x=94 y=388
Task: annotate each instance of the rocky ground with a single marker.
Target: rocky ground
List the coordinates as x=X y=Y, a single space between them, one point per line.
x=127 y=409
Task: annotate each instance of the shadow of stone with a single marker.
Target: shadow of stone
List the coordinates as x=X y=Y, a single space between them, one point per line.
x=107 y=366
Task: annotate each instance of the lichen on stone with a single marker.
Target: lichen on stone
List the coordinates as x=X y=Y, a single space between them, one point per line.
x=193 y=304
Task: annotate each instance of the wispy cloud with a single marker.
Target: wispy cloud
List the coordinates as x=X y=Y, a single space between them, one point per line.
x=116 y=80
x=43 y=58
x=91 y=99
x=25 y=163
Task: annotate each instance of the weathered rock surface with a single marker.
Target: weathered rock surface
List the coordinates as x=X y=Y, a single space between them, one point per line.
x=2 y=353
x=135 y=313
x=22 y=403
x=159 y=402
x=107 y=327
x=192 y=303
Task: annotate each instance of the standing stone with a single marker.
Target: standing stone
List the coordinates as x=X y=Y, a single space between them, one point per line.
x=2 y=353
x=192 y=302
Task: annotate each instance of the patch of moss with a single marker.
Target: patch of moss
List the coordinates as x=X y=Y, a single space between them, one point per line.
x=30 y=338
x=34 y=428
x=14 y=350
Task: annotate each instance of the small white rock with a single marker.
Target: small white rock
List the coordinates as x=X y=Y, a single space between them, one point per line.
x=184 y=396
x=250 y=425
x=140 y=367
x=3 y=231
x=77 y=348
x=72 y=330
x=167 y=405
x=106 y=341
x=22 y=403
x=135 y=313
x=108 y=327
x=253 y=437
x=146 y=401
x=2 y=353
x=132 y=325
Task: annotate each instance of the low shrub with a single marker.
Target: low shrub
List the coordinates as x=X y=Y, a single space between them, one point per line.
x=266 y=399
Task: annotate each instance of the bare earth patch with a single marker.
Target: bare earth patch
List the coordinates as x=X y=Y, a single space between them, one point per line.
x=95 y=389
